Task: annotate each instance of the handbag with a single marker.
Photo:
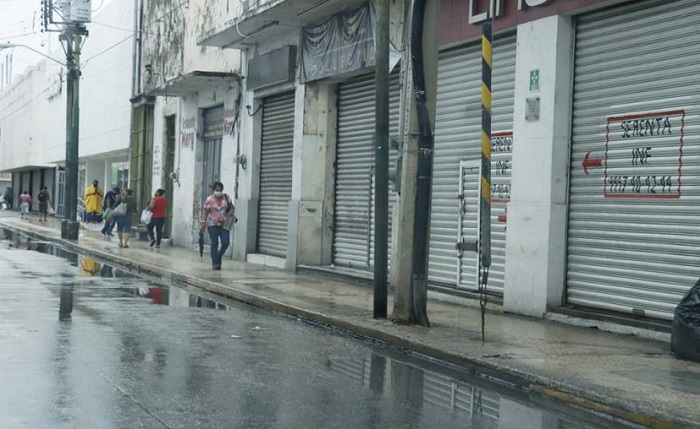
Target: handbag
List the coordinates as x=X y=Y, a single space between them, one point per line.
x=119 y=210
x=51 y=211
x=107 y=213
x=146 y=216
x=231 y=218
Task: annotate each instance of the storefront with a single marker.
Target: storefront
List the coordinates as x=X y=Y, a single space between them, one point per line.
x=633 y=234
x=276 y=158
x=456 y=172
x=353 y=238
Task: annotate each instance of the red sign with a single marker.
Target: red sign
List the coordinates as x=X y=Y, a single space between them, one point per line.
x=461 y=19
x=644 y=155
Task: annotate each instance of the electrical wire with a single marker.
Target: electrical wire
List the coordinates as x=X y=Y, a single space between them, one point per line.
x=9 y=115
x=178 y=6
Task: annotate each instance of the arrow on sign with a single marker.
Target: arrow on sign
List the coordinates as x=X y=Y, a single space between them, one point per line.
x=588 y=162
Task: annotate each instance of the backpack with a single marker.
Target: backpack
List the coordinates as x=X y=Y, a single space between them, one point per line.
x=43 y=196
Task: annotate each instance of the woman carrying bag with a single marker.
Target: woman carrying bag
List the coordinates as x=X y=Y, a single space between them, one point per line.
x=218 y=213
x=124 y=209
x=159 y=215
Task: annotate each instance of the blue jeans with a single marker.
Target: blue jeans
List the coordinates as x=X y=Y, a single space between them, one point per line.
x=217 y=233
x=124 y=224
x=109 y=227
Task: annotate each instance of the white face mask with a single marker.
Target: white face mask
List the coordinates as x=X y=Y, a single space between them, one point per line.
x=218 y=193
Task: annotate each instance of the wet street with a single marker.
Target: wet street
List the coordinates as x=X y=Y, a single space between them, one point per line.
x=83 y=345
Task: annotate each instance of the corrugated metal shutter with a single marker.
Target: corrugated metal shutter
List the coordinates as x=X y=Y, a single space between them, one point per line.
x=275 y=173
x=457 y=137
x=634 y=234
x=353 y=237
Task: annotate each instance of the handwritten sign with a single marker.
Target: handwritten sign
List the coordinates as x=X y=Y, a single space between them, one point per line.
x=501 y=166
x=157 y=154
x=644 y=155
x=188 y=132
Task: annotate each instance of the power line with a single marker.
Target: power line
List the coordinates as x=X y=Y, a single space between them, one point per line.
x=178 y=6
x=25 y=104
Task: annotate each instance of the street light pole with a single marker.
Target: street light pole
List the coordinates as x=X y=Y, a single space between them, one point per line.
x=73 y=37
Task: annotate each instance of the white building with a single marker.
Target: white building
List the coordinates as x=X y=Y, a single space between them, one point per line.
x=189 y=99
x=34 y=142
x=596 y=115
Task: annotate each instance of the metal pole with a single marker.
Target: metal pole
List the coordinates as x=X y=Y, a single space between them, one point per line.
x=73 y=38
x=485 y=220
x=381 y=159
x=486 y=62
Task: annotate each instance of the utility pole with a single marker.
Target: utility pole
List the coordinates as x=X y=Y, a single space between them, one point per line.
x=411 y=296
x=381 y=160
x=72 y=16
x=72 y=38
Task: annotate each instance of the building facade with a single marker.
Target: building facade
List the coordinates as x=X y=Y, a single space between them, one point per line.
x=185 y=111
x=595 y=113
x=33 y=136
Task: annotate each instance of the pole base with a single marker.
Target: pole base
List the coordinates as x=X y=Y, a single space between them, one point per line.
x=70 y=229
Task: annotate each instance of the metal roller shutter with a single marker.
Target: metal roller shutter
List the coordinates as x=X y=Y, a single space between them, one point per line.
x=458 y=138
x=275 y=173
x=634 y=235
x=353 y=238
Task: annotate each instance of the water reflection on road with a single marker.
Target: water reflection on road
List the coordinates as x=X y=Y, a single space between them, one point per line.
x=83 y=344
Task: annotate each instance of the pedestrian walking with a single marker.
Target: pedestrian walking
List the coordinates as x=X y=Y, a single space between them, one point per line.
x=158 y=208
x=218 y=214
x=93 y=202
x=107 y=207
x=44 y=198
x=25 y=201
x=9 y=198
x=124 y=210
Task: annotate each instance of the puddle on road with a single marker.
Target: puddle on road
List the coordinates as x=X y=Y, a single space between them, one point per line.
x=422 y=388
x=97 y=279
x=681 y=381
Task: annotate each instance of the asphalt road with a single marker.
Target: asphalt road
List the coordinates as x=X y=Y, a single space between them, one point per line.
x=82 y=345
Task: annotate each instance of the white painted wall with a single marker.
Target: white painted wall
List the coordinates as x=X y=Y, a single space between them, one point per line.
x=105 y=85
x=537 y=213
x=33 y=110
x=20 y=125
x=201 y=16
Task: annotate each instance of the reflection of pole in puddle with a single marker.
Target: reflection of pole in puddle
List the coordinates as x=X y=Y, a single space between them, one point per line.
x=65 y=306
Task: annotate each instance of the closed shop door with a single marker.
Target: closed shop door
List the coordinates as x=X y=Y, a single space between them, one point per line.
x=353 y=238
x=211 y=152
x=634 y=205
x=454 y=214
x=275 y=173
x=211 y=147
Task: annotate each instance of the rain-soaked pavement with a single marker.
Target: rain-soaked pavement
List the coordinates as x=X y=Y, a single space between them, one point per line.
x=83 y=345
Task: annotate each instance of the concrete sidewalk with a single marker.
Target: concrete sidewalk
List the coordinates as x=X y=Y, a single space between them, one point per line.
x=623 y=376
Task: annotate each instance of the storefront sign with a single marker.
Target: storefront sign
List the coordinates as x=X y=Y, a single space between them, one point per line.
x=461 y=20
x=495 y=8
x=156 y=160
x=188 y=132
x=230 y=118
x=643 y=155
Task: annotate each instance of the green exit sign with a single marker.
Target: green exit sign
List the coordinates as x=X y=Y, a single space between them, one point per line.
x=534 y=80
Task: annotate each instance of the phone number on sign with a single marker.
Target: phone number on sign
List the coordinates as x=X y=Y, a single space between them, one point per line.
x=641 y=185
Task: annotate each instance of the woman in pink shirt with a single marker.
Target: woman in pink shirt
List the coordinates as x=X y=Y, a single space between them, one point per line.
x=218 y=208
x=25 y=201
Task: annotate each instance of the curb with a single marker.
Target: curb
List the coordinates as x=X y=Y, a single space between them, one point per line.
x=499 y=374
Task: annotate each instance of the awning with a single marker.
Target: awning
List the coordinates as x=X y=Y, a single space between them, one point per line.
x=31 y=167
x=191 y=83
x=275 y=19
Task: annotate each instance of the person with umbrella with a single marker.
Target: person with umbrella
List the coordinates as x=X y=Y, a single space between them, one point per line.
x=218 y=213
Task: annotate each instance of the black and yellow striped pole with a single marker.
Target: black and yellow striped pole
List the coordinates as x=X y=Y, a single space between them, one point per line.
x=485 y=221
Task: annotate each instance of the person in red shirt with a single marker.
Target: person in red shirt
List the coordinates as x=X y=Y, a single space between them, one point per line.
x=158 y=208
